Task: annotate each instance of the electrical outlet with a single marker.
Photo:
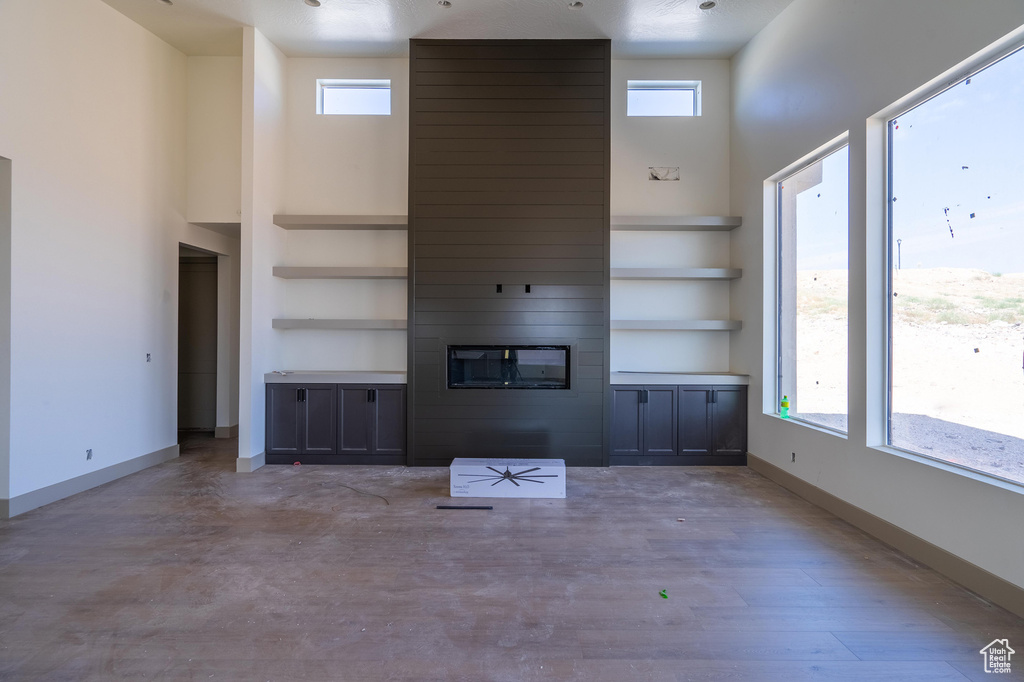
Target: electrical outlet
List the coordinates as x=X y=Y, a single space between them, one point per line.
x=149 y=357
x=794 y=456
x=88 y=454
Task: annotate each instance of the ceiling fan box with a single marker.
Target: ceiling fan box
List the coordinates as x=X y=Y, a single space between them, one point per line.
x=472 y=478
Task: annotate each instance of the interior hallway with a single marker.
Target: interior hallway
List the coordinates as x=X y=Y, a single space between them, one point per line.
x=189 y=571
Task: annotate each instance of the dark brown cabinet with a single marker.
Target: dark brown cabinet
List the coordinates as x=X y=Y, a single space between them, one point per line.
x=644 y=421
x=335 y=424
x=301 y=420
x=372 y=422
x=679 y=425
x=729 y=423
x=627 y=421
x=713 y=424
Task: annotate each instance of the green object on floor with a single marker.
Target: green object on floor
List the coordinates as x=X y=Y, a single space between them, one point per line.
x=664 y=594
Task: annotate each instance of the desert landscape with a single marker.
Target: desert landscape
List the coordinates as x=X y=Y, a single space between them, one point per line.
x=958 y=349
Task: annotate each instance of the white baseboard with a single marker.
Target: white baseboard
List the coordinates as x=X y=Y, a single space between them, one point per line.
x=971 y=576
x=226 y=431
x=247 y=465
x=58 y=491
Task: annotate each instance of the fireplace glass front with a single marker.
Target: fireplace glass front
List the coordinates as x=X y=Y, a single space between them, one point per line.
x=508 y=367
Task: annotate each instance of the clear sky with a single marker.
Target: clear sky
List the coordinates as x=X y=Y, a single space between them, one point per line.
x=822 y=217
x=958 y=154
x=963 y=151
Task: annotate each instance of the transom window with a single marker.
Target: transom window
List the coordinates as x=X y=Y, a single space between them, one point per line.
x=353 y=97
x=663 y=98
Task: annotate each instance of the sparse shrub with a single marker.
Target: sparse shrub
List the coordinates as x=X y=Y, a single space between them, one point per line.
x=953 y=317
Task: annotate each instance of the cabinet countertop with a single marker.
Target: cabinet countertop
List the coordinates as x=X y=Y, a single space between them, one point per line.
x=679 y=378
x=335 y=377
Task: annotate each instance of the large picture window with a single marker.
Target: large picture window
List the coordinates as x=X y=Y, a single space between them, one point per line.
x=813 y=239
x=956 y=282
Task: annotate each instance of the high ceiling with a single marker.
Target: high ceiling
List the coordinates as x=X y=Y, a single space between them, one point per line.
x=372 y=28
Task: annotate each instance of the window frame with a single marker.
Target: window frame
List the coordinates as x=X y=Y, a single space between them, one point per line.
x=995 y=53
x=775 y=183
x=323 y=84
x=666 y=85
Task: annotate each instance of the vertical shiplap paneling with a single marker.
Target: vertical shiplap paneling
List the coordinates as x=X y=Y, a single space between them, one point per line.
x=508 y=184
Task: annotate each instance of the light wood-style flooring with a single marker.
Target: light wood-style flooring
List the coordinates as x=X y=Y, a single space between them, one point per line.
x=189 y=571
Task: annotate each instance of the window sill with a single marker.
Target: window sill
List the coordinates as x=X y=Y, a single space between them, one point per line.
x=974 y=474
x=810 y=425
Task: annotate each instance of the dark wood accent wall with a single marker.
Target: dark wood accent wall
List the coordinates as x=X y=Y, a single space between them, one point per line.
x=509 y=185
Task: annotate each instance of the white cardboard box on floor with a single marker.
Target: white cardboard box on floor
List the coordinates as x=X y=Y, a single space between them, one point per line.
x=507 y=477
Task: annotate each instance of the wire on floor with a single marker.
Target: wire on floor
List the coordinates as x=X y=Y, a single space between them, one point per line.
x=363 y=492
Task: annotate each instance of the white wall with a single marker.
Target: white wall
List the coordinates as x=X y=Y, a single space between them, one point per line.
x=228 y=291
x=98 y=196
x=5 y=327
x=214 y=174
x=214 y=158
x=824 y=67
x=264 y=146
x=345 y=165
x=345 y=299
x=699 y=146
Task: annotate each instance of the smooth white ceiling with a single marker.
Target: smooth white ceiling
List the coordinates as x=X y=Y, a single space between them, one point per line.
x=371 y=28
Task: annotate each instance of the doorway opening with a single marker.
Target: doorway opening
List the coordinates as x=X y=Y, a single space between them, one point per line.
x=197 y=341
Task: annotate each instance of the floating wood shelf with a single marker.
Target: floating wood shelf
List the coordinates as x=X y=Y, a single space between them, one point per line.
x=676 y=273
x=342 y=222
x=286 y=323
x=286 y=272
x=690 y=223
x=677 y=325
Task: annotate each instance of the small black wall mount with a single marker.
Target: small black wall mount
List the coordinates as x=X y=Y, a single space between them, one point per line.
x=498 y=288
x=527 y=288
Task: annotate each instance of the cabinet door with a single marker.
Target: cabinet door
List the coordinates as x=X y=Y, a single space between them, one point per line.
x=729 y=420
x=695 y=420
x=660 y=420
x=321 y=423
x=627 y=421
x=389 y=420
x=355 y=422
x=284 y=419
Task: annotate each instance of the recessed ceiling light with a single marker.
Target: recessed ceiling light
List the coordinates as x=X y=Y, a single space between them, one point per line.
x=710 y=4
x=576 y=5
x=312 y=3
x=444 y=3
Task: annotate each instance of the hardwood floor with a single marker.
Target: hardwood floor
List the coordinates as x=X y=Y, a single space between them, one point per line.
x=189 y=571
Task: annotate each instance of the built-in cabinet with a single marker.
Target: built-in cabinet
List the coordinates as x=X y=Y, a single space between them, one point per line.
x=679 y=425
x=335 y=424
x=644 y=421
x=661 y=415
x=713 y=424
x=372 y=421
x=301 y=420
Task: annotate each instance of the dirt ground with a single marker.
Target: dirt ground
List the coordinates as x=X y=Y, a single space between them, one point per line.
x=958 y=349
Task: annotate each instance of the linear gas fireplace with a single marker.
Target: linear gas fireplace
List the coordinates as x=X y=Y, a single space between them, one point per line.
x=539 y=367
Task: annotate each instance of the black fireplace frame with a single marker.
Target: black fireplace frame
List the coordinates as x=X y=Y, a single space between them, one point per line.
x=507 y=367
